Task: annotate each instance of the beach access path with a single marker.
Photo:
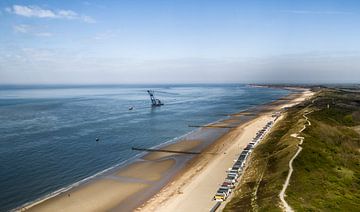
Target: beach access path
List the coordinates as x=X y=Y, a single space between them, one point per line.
x=282 y=194
x=195 y=188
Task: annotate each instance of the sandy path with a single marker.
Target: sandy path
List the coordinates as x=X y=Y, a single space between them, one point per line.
x=286 y=206
x=254 y=204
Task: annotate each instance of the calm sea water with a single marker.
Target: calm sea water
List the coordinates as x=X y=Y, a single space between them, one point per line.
x=47 y=134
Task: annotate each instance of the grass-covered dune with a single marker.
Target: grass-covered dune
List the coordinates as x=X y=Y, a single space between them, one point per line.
x=326 y=173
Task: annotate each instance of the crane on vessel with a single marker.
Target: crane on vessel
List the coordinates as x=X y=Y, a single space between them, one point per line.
x=154 y=102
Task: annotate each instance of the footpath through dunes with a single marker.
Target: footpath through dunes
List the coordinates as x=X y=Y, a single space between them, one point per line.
x=325 y=173
x=282 y=195
x=267 y=166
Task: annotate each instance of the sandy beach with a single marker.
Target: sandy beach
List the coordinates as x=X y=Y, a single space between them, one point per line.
x=126 y=188
x=162 y=181
x=100 y=196
x=195 y=188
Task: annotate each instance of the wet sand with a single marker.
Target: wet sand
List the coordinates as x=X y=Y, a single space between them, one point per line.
x=127 y=188
x=137 y=169
x=186 y=145
x=101 y=195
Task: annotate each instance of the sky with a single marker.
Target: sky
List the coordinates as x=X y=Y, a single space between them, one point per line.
x=179 y=41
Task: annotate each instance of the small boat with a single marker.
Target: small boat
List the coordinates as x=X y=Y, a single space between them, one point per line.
x=131 y=108
x=97 y=139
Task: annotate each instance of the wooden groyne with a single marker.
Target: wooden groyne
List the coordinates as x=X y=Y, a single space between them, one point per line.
x=211 y=126
x=164 y=150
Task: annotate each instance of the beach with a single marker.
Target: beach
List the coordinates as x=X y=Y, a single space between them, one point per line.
x=128 y=187
x=164 y=181
x=195 y=188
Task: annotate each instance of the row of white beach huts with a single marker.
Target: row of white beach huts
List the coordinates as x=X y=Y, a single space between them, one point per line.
x=233 y=173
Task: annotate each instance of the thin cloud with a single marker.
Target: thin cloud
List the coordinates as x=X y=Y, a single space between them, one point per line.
x=38 y=12
x=88 y=19
x=316 y=12
x=28 y=29
x=22 y=28
x=44 y=34
x=105 y=35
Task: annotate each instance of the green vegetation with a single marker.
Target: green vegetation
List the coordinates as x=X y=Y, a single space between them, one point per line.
x=326 y=173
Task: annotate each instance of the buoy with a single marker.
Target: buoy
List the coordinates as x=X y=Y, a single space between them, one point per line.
x=131 y=108
x=97 y=139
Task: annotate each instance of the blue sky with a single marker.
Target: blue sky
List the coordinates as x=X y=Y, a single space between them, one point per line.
x=179 y=41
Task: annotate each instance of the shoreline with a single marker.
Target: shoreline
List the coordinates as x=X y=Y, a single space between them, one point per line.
x=193 y=189
x=55 y=200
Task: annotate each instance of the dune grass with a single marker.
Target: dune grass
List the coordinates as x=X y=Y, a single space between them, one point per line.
x=269 y=160
x=326 y=173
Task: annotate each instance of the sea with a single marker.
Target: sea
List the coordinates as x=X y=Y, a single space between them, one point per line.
x=54 y=136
